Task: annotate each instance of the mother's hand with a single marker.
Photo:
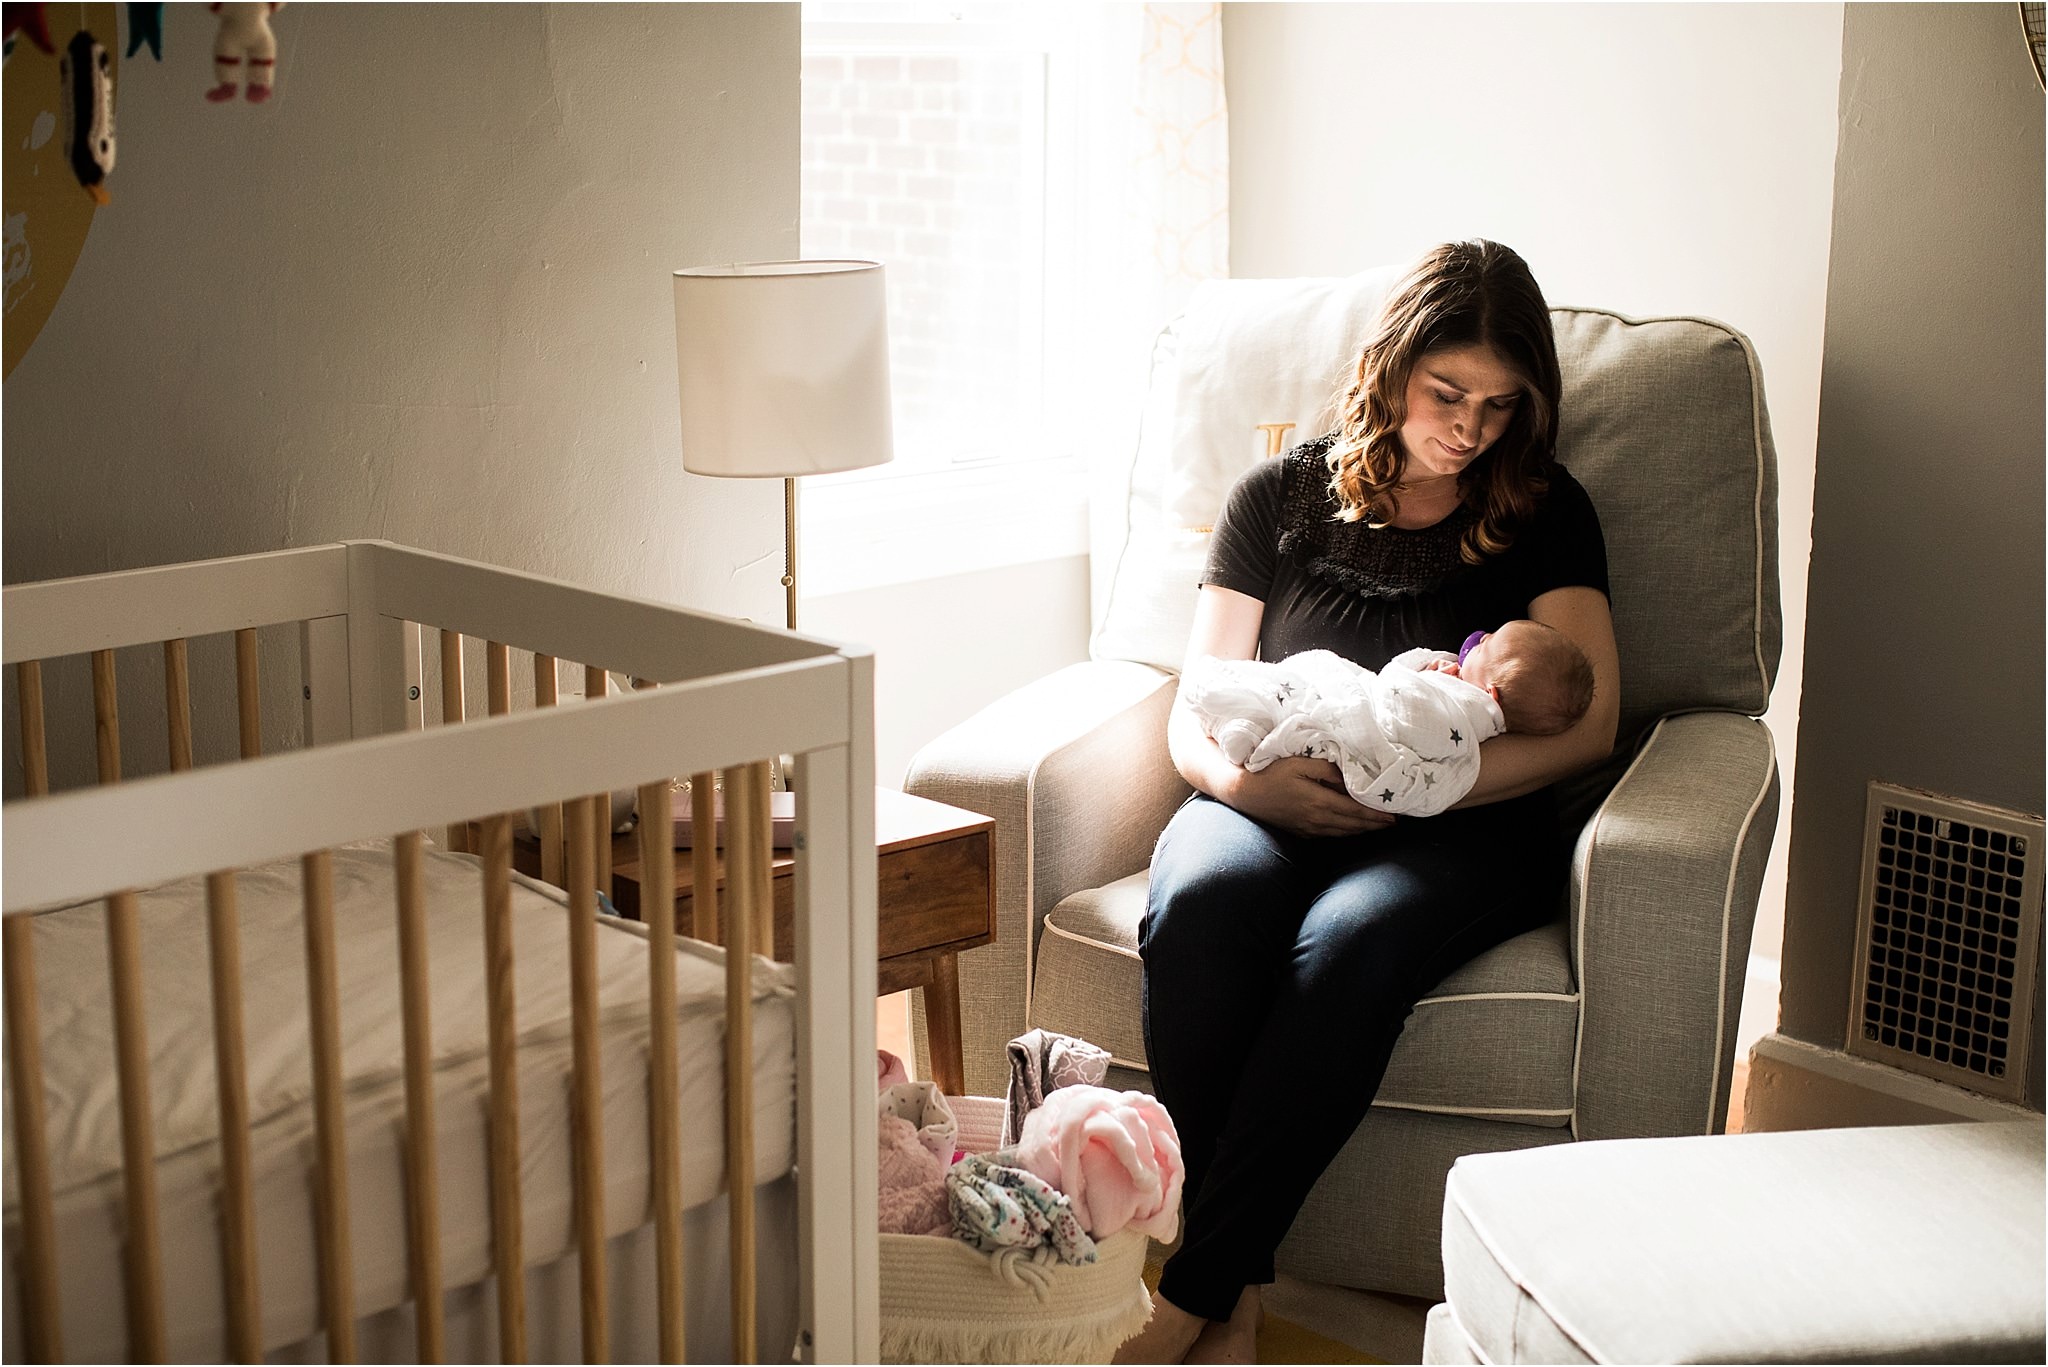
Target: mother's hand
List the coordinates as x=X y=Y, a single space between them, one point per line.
x=1301 y=796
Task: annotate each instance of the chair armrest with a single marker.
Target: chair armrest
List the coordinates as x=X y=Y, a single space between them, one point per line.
x=1664 y=890
x=1073 y=768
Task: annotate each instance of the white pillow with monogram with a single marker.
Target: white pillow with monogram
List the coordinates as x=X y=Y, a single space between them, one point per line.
x=1249 y=369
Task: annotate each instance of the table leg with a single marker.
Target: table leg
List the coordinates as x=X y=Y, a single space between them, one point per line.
x=942 y=1025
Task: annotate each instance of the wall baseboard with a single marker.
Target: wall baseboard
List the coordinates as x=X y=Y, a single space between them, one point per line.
x=1794 y=1085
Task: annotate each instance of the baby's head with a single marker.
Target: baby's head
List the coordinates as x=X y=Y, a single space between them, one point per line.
x=1539 y=676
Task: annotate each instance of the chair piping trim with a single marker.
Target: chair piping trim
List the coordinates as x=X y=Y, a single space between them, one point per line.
x=1727 y=915
x=1492 y=1247
x=1119 y=1062
x=1727 y=921
x=1585 y=882
x=1132 y=954
x=1104 y=946
x=1756 y=425
x=1466 y=1110
x=1470 y=1344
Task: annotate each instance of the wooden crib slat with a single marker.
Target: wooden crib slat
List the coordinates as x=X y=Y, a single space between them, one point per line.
x=422 y=1170
x=657 y=870
x=106 y=717
x=546 y=693
x=31 y=1135
x=452 y=712
x=238 y=1209
x=747 y=882
x=498 y=677
x=704 y=898
x=35 y=750
x=143 y=1261
x=507 y=1230
x=248 y=697
x=451 y=677
x=597 y=683
x=25 y=1062
x=337 y=1269
x=178 y=702
x=761 y=858
x=588 y=1100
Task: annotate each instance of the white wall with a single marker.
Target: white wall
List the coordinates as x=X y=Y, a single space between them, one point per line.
x=947 y=647
x=1645 y=158
x=422 y=295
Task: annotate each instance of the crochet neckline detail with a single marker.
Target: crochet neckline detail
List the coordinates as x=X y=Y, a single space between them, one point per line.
x=1378 y=562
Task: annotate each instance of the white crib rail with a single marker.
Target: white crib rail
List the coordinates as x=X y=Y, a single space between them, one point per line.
x=731 y=693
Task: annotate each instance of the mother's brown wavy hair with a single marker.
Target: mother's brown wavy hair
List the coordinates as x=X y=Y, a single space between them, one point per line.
x=1458 y=294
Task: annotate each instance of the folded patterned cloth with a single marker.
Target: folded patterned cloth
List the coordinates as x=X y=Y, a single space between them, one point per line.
x=911 y=1196
x=925 y=1108
x=1042 y=1061
x=1116 y=1156
x=996 y=1206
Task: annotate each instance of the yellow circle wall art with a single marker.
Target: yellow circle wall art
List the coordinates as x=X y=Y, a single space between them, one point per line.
x=47 y=213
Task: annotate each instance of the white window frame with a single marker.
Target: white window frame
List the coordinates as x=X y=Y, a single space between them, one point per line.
x=871 y=528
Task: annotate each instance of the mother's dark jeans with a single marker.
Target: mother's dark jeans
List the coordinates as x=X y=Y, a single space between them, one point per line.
x=1279 y=970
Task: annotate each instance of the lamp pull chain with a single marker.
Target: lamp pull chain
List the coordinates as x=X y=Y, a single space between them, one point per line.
x=789 y=548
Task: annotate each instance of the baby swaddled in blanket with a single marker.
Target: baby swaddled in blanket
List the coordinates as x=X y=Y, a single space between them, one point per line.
x=1406 y=738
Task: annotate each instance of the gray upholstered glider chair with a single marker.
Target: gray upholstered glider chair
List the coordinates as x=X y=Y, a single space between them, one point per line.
x=1617 y=1020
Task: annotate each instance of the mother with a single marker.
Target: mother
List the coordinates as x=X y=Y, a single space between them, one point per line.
x=1290 y=930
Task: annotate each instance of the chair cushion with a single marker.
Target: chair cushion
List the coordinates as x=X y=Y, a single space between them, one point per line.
x=1663 y=421
x=1908 y=1244
x=1494 y=1039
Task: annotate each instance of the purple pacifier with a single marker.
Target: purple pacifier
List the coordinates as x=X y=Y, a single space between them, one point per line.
x=1470 y=641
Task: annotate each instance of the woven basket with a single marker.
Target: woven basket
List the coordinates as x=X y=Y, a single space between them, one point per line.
x=945 y=1302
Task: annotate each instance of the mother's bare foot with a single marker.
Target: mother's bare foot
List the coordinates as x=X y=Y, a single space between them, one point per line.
x=1235 y=1340
x=1166 y=1337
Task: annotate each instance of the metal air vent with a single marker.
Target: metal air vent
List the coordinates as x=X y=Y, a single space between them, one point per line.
x=1949 y=923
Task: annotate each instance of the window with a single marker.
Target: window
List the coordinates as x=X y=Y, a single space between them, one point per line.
x=940 y=140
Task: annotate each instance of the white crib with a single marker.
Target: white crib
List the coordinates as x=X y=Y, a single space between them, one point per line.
x=566 y=1230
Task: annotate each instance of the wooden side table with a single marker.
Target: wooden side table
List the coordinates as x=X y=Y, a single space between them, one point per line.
x=935 y=873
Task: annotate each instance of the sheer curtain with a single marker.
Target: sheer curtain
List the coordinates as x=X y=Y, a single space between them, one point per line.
x=1156 y=206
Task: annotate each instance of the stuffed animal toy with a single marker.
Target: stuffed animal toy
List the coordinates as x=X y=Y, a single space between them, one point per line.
x=244 y=36
x=86 y=81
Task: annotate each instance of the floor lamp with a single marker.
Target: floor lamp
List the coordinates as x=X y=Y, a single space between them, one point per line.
x=782 y=369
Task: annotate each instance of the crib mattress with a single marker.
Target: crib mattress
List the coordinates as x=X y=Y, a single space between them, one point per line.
x=81 y=1098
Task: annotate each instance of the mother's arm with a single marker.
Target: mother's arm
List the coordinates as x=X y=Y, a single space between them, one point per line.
x=1510 y=766
x=1305 y=796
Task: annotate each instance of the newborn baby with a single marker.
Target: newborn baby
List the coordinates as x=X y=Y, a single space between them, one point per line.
x=1407 y=738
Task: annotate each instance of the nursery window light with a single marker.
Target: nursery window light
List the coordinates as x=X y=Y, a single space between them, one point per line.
x=939 y=140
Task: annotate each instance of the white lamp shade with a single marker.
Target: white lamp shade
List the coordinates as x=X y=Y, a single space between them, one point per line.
x=783 y=368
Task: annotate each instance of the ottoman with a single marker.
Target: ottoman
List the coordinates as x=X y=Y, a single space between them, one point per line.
x=1906 y=1244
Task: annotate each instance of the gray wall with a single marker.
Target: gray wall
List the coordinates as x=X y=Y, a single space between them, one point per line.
x=1924 y=651
x=422 y=295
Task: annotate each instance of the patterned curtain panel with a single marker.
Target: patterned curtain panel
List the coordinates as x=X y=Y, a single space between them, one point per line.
x=1177 y=207
x=1156 y=193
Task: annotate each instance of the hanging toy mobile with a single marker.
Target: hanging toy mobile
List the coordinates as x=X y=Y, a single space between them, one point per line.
x=29 y=19
x=146 y=26
x=244 y=36
x=86 y=81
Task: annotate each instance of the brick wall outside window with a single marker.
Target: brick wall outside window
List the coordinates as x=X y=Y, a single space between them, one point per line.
x=924 y=162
